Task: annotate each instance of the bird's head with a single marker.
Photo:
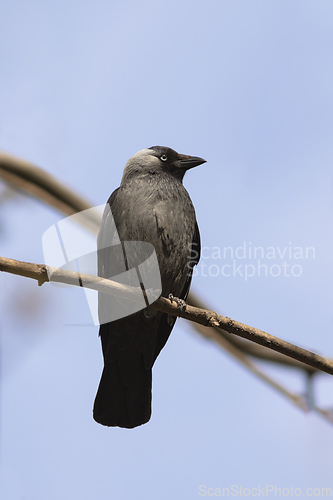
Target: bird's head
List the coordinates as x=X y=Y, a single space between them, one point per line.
x=159 y=159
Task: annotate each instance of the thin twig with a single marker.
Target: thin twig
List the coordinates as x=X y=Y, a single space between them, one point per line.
x=214 y=335
x=246 y=346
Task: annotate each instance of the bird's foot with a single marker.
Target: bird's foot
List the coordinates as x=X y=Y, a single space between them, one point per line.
x=181 y=304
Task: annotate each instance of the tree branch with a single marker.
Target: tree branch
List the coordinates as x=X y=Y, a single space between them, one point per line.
x=38 y=183
x=43 y=273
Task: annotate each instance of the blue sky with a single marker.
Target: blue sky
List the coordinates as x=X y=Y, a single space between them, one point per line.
x=249 y=87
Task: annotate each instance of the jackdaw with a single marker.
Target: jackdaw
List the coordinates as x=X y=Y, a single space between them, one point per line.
x=151 y=205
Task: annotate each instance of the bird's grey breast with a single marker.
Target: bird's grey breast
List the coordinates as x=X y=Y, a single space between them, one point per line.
x=160 y=212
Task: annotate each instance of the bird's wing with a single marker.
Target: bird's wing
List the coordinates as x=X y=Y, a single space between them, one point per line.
x=196 y=250
x=107 y=237
x=197 y=243
x=167 y=322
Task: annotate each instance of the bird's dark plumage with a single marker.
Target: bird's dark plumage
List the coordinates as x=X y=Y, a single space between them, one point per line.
x=151 y=205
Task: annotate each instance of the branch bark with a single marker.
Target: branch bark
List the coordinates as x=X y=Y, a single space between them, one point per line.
x=43 y=273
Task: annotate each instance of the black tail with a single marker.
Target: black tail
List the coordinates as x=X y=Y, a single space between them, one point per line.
x=123 y=398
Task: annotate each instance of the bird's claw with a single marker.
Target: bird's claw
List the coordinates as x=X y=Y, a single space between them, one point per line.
x=181 y=304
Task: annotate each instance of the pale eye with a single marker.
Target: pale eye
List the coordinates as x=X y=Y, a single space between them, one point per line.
x=164 y=157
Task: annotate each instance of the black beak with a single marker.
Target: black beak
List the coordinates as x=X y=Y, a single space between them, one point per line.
x=188 y=162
